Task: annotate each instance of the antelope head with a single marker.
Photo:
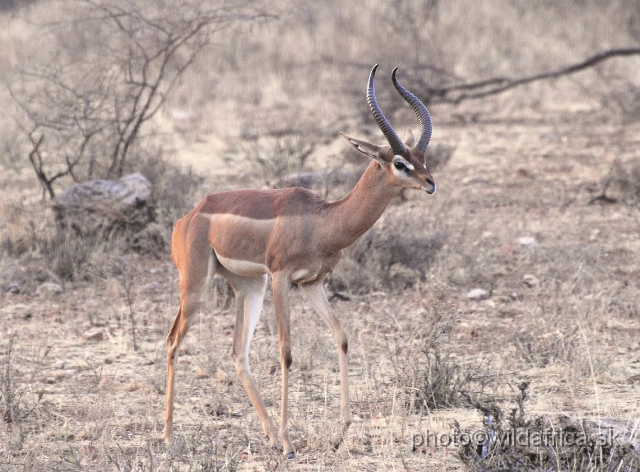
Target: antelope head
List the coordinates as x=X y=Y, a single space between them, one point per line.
x=404 y=162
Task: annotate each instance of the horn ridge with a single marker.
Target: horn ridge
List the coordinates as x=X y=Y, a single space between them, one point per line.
x=424 y=118
x=393 y=139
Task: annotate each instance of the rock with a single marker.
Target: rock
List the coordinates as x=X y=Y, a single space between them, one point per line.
x=49 y=288
x=105 y=206
x=59 y=364
x=478 y=294
x=530 y=281
x=95 y=334
x=14 y=287
x=527 y=241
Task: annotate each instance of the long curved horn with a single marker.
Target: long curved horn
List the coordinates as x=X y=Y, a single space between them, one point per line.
x=418 y=107
x=394 y=140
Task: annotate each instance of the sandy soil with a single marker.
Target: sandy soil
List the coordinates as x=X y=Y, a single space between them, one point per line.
x=95 y=404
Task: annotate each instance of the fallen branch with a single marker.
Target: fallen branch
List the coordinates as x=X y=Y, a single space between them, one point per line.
x=457 y=93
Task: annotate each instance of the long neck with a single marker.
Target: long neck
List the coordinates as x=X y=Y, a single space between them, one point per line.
x=348 y=219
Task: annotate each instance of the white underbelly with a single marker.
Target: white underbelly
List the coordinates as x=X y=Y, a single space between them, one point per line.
x=242 y=268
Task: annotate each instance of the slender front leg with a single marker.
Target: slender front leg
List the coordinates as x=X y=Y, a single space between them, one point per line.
x=281 y=284
x=318 y=299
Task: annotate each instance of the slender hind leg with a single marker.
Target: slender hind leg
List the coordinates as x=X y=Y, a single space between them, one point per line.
x=193 y=278
x=238 y=330
x=316 y=296
x=249 y=297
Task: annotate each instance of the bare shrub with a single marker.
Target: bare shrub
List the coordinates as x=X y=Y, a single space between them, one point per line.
x=427 y=368
x=19 y=235
x=125 y=272
x=85 y=117
x=547 y=349
x=438 y=378
x=545 y=445
x=72 y=257
x=19 y=400
x=173 y=187
x=281 y=160
x=65 y=254
x=393 y=255
x=11 y=146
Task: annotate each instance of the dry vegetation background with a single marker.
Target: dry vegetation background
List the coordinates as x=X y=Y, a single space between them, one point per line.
x=537 y=204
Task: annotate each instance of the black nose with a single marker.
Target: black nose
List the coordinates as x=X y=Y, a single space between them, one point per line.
x=431 y=186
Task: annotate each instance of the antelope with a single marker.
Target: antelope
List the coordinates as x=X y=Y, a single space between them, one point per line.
x=296 y=237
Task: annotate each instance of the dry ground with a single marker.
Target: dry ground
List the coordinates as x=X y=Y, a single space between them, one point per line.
x=517 y=214
x=571 y=330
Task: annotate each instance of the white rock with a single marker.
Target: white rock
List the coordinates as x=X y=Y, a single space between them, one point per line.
x=59 y=364
x=478 y=294
x=527 y=241
x=530 y=281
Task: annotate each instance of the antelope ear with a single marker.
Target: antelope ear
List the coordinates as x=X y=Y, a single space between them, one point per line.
x=368 y=149
x=409 y=138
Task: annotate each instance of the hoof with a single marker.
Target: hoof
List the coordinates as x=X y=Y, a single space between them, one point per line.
x=337 y=441
x=290 y=456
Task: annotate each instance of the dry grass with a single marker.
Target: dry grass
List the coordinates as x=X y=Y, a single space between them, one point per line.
x=561 y=312
x=104 y=407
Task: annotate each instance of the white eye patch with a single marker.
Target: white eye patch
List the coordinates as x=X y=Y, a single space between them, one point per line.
x=403 y=161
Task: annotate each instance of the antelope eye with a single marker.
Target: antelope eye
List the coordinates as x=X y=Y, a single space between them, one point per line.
x=399 y=165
